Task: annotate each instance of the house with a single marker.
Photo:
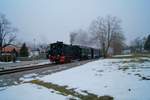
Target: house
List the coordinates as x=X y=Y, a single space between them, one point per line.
x=10 y=48
x=9 y=53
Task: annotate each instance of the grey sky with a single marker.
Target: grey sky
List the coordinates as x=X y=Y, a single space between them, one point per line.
x=52 y=20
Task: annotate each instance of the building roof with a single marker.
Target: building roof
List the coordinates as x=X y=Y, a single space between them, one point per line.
x=10 y=48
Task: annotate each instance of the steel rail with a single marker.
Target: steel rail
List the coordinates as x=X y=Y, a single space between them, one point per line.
x=21 y=69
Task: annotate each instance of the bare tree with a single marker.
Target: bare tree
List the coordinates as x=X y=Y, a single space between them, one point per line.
x=117 y=43
x=7 y=35
x=103 y=30
x=137 y=45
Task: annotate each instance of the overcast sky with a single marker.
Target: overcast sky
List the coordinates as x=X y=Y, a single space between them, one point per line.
x=52 y=20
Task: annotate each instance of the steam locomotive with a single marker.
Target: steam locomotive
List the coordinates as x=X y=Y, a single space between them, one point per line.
x=62 y=53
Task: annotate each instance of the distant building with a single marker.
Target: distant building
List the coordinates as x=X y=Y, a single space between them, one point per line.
x=127 y=50
x=10 y=48
x=110 y=51
x=9 y=53
x=34 y=52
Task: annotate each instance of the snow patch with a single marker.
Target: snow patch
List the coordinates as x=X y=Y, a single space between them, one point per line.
x=29 y=92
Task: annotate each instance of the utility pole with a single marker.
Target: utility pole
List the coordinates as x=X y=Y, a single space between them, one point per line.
x=34 y=50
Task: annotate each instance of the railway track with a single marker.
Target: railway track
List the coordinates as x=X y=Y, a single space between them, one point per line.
x=14 y=70
x=21 y=69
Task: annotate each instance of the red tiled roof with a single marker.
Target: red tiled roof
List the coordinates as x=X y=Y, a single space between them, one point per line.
x=10 y=48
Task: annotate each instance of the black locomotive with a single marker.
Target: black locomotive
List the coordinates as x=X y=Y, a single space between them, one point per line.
x=62 y=53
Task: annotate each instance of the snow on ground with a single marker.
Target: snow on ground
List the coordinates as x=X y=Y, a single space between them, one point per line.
x=123 y=79
x=103 y=77
x=28 y=77
x=129 y=55
x=8 y=62
x=29 y=92
x=9 y=65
